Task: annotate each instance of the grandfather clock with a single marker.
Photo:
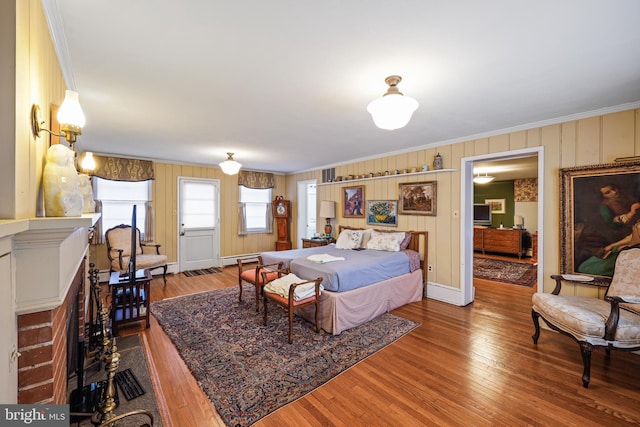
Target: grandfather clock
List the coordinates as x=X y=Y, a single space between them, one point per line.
x=281 y=213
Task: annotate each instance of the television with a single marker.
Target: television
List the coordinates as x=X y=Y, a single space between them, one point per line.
x=481 y=214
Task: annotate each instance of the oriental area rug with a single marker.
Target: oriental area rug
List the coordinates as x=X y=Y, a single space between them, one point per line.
x=249 y=370
x=515 y=273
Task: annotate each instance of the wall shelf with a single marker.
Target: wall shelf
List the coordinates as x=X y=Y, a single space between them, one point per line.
x=400 y=175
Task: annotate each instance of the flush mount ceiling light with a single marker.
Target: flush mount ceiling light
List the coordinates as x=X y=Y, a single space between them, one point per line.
x=483 y=179
x=393 y=110
x=230 y=166
x=70 y=117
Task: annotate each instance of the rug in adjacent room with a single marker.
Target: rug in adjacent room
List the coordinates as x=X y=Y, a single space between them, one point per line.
x=249 y=370
x=201 y=271
x=515 y=273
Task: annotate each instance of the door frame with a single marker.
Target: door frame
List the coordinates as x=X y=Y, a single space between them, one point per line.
x=467 y=290
x=217 y=236
x=302 y=210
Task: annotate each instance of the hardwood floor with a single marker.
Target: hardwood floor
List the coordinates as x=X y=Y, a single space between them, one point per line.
x=473 y=365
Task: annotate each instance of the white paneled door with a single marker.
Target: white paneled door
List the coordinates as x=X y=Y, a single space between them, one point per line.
x=198 y=223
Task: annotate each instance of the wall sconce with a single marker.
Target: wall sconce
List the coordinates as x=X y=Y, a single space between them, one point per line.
x=70 y=117
x=88 y=162
x=230 y=166
x=393 y=110
x=328 y=211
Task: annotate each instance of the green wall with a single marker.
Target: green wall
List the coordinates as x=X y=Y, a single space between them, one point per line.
x=497 y=190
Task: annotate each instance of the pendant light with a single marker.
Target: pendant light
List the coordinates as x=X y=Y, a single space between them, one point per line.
x=393 y=110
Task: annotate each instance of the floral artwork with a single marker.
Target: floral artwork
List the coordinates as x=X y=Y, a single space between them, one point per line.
x=525 y=190
x=382 y=212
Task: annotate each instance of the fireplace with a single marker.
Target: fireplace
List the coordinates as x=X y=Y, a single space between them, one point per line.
x=43 y=282
x=48 y=343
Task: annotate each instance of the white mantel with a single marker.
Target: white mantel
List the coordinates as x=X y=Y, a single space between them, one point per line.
x=47 y=252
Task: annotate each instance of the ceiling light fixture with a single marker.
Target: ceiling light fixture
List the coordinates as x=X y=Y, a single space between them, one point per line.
x=88 y=162
x=70 y=117
x=230 y=166
x=483 y=179
x=393 y=110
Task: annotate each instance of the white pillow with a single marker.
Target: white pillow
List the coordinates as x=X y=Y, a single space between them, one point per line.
x=385 y=241
x=349 y=239
x=366 y=236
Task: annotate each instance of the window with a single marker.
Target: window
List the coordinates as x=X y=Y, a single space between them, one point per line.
x=118 y=198
x=256 y=202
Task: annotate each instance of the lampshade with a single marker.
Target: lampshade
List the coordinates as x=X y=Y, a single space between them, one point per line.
x=88 y=163
x=230 y=166
x=70 y=116
x=393 y=110
x=327 y=209
x=483 y=179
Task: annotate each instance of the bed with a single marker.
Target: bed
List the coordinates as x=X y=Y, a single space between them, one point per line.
x=357 y=291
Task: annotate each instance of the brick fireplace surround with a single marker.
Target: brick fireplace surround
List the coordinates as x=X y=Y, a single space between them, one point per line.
x=46 y=273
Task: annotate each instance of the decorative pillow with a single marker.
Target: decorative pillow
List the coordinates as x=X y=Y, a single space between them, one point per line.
x=405 y=242
x=349 y=239
x=366 y=236
x=385 y=241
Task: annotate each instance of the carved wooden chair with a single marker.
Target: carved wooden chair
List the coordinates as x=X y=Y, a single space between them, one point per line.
x=118 y=241
x=612 y=323
x=292 y=293
x=250 y=270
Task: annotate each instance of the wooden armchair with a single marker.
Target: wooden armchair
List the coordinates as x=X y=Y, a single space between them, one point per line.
x=253 y=274
x=118 y=241
x=292 y=293
x=610 y=323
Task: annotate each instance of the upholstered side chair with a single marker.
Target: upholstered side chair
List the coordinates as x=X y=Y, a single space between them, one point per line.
x=250 y=270
x=118 y=241
x=612 y=323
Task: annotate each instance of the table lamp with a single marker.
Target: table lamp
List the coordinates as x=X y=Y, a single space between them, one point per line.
x=328 y=211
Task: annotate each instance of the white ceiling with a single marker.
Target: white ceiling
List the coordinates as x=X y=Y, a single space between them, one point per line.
x=285 y=84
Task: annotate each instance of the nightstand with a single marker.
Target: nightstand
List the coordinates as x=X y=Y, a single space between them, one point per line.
x=312 y=243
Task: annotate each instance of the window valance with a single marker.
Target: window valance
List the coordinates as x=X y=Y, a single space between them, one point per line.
x=120 y=169
x=258 y=180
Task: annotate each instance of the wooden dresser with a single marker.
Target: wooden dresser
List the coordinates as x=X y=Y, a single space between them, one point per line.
x=312 y=243
x=506 y=240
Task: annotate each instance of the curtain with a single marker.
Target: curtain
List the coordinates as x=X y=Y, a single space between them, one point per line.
x=120 y=169
x=97 y=231
x=269 y=215
x=148 y=222
x=242 y=223
x=259 y=180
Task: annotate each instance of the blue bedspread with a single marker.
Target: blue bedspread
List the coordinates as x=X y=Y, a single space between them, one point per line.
x=360 y=268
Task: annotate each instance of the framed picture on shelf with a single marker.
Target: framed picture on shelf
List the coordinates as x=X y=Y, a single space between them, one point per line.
x=417 y=198
x=382 y=212
x=353 y=202
x=599 y=215
x=498 y=206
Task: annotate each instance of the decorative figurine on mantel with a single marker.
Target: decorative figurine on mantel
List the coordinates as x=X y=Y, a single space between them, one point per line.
x=62 y=194
x=437 y=162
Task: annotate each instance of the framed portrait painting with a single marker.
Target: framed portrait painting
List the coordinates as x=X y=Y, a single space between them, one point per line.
x=382 y=212
x=599 y=210
x=417 y=198
x=498 y=206
x=353 y=202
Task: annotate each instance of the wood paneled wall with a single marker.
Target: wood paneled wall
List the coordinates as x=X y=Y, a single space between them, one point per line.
x=588 y=141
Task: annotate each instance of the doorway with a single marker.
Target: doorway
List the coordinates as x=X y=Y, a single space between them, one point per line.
x=307 y=202
x=467 y=202
x=198 y=223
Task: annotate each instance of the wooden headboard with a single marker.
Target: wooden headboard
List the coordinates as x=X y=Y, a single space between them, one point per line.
x=419 y=243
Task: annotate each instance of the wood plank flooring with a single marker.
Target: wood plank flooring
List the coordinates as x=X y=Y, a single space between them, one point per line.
x=473 y=365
